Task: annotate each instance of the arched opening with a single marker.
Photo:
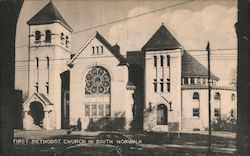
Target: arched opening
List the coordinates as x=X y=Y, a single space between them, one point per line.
x=196 y=96
x=217 y=96
x=37 y=36
x=48 y=36
x=37 y=113
x=162 y=115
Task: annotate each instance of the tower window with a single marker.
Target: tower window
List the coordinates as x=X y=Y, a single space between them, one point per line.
x=168 y=86
x=185 y=80
x=196 y=96
x=196 y=112
x=168 y=60
x=192 y=80
x=36 y=86
x=37 y=62
x=37 y=37
x=217 y=96
x=62 y=37
x=155 y=61
x=47 y=87
x=217 y=112
x=67 y=41
x=162 y=60
x=162 y=87
x=155 y=87
x=47 y=58
x=48 y=36
x=233 y=97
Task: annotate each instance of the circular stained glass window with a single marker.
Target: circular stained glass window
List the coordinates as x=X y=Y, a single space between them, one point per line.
x=97 y=81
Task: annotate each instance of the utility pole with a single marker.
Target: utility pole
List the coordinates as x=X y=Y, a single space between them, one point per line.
x=209 y=101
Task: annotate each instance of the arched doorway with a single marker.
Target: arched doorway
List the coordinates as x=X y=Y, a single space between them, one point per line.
x=162 y=115
x=37 y=113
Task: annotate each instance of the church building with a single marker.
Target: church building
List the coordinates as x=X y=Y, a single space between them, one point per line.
x=160 y=87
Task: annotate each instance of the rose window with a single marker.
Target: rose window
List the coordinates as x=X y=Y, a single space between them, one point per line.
x=97 y=81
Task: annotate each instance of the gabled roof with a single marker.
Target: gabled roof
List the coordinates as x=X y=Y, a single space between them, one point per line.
x=192 y=68
x=122 y=60
x=48 y=14
x=162 y=40
x=38 y=97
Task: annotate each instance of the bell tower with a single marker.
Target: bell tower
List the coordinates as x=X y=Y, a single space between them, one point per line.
x=49 y=51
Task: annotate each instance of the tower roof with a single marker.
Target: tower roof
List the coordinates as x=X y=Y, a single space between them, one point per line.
x=49 y=14
x=192 y=68
x=161 y=40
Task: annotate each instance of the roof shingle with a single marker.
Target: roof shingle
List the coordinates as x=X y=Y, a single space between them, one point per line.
x=48 y=14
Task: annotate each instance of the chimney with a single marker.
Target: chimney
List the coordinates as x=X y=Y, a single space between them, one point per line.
x=116 y=47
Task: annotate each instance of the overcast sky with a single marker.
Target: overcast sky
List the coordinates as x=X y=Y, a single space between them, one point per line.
x=193 y=23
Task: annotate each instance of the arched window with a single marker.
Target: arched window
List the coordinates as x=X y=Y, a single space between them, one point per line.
x=37 y=36
x=196 y=96
x=217 y=96
x=168 y=60
x=48 y=36
x=162 y=60
x=62 y=36
x=155 y=61
x=97 y=81
x=162 y=115
x=233 y=97
x=67 y=41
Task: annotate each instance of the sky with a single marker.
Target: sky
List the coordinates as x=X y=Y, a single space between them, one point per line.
x=192 y=22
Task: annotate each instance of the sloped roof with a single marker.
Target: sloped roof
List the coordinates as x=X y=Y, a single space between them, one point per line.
x=192 y=68
x=98 y=36
x=48 y=14
x=161 y=40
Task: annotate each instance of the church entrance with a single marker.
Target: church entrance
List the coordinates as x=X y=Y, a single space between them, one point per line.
x=37 y=113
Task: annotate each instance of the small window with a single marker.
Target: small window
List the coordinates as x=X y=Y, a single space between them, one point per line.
x=48 y=36
x=168 y=60
x=37 y=62
x=97 y=49
x=101 y=49
x=192 y=80
x=37 y=36
x=47 y=87
x=196 y=112
x=93 y=50
x=67 y=41
x=62 y=37
x=155 y=87
x=162 y=87
x=185 y=80
x=107 y=110
x=204 y=81
x=162 y=61
x=198 y=81
x=196 y=96
x=47 y=58
x=36 y=86
x=217 y=96
x=217 y=112
x=168 y=86
x=155 y=61
x=233 y=97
